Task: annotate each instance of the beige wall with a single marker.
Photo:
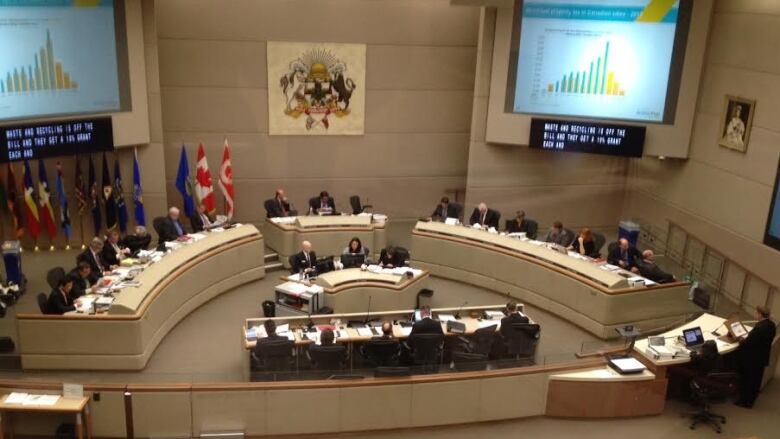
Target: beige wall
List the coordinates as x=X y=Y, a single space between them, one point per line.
x=720 y=195
x=420 y=73
x=578 y=189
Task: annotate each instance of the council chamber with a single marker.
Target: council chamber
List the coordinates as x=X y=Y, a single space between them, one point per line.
x=389 y=218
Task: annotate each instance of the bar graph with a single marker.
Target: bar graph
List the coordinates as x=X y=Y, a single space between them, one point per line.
x=45 y=73
x=598 y=79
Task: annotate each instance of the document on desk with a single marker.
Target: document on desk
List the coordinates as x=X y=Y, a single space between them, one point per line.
x=406 y=331
x=486 y=323
x=365 y=332
x=446 y=317
x=15 y=398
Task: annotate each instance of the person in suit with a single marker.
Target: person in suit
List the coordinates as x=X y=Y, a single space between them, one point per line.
x=649 y=269
x=584 y=244
x=171 y=228
x=327 y=338
x=519 y=224
x=112 y=252
x=558 y=235
x=355 y=247
x=513 y=315
x=202 y=220
x=484 y=217
x=445 y=210
x=324 y=203
x=387 y=332
x=753 y=357
x=279 y=206
x=138 y=241
x=92 y=256
x=625 y=256
x=60 y=301
x=390 y=257
x=305 y=260
x=81 y=280
x=270 y=332
x=426 y=324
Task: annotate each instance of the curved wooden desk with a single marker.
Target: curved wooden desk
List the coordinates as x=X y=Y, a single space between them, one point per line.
x=141 y=316
x=575 y=289
x=328 y=234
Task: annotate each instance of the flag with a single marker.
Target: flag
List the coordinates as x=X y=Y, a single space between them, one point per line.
x=64 y=214
x=184 y=185
x=45 y=212
x=94 y=200
x=30 y=206
x=108 y=197
x=203 y=187
x=81 y=188
x=121 y=207
x=138 y=199
x=226 y=182
x=13 y=207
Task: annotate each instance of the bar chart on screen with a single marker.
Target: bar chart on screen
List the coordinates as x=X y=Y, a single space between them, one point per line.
x=46 y=73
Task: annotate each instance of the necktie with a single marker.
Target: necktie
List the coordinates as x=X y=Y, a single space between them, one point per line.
x=98 y=262
x=483 y=218
x=179 y=231
x=308 y=263
x=205 y=219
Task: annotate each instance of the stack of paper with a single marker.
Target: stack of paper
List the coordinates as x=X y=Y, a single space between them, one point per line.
x=31 y=399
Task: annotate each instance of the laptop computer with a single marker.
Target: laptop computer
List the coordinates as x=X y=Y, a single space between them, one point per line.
x=693 y=338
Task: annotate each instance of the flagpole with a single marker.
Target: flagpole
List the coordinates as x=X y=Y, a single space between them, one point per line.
x=81 y=226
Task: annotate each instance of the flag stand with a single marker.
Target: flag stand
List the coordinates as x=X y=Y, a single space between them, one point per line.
x=81 y=226
x=35 y=245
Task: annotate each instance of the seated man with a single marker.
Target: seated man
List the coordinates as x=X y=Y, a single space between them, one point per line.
x=327 y=338
x=625 y=256
x=390 y=257
x=426 y=324
x=485 y=217
x=519 y=224
x=202 y=220
x=513 y=315
x=60 y=300
x=92 y=256
x=445 y=210
x=323 y=204
x=305 y=260
x=139 y=241
x=387 y=332
x=172 y=229
x=112 y=252
x=278 y=206
x=81 y=280
x=649 y=269
x=558 y=235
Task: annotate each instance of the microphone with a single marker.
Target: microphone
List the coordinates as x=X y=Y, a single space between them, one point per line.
x=457 y=314
x=715 y=331
x=368 y=312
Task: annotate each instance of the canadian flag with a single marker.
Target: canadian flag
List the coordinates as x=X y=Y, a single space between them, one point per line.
x=226 y=181
x=203 y=187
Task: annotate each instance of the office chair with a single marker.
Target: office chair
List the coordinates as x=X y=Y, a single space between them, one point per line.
x=157 y=224
x=332 y=357
x=533 y=228
x=426 y=350
x=54 y=275
x=267 y=205
x=570 y=233
x=354 y=202
x=43 y=303
x=481 y=341
x=381 y=353
x=521 y=340
x=273 y=357
x=294 y=268
x=598 y=241
x=463 y=361
x=707 y=389
x=458 y=211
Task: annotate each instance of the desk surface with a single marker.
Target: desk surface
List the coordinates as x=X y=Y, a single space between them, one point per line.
x=328 y=221
x=602 y=374
x=356 y=276
x=63 y=405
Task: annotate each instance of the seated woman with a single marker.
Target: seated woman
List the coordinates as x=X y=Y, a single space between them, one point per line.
x=354 y=254
x=583 y=244
x=60 y=300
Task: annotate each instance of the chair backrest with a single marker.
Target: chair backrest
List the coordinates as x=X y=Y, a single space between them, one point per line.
x=354 y=202
x=314 y=202
x=571 y=235
x=612 y=246
x=43 y=303
x=482 y=340
x=294 y=268
x=382 y=352
x=533 y=227
x=268 y=205
x=458 y=211
x=54 y=275
x=157 y=224
x=521 y=339
x=403 y=255
x=331 y=357
x=276 y=355
x=598 y=241
x=426 y=347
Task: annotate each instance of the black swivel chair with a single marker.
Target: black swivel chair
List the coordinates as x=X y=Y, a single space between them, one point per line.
x=533 y=228
x=43 y=303
x=273 y=357
x=426 y=350
x=707 y=389
x=598 y=242
x=328 y=358
x=570 y=233
x=54 y=276
x=475 y=350
x=354 y=202
x=157 y=225
x=294 y=268
x=267 y=205
x=381 y=353
x=521 y=340
x=458 y=211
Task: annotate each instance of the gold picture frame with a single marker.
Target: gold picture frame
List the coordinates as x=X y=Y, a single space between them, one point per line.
x=736 y=122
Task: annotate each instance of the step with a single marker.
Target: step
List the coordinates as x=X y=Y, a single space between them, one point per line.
x=270 y=257
x=273 y=266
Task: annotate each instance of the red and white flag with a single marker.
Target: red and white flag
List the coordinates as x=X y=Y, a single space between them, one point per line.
x=203 y=188
x=226 y=182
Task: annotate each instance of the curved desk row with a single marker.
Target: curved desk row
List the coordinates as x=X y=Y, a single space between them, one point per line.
x=328 y=234
x=141 y=316
x=574 y=288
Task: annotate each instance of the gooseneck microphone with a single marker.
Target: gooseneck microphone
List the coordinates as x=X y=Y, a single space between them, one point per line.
x=457 y=314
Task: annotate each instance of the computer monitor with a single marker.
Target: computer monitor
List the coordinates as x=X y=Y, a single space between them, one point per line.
x=693 y=337
x=350 y=260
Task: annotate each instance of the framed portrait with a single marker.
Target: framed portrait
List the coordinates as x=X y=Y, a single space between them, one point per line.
x=736 y=123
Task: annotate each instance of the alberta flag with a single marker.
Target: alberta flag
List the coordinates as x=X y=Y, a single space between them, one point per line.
x=138 y=199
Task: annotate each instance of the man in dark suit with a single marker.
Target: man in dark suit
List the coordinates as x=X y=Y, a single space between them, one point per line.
x=278 y=206
x=92 y=256
x=390 y=257
x=113 y=253
x=387 y=332
x=60 y=301
x=625 y=256
x=485 y=217
x=139 y=241
x=270 y=331
x=649 y=269
x=324 y=203
x=426 y=324
x=81 y=280
x=753 y=357
x=558 y=235
x=513 y=315
x=305 y=260
x=445 y=210
x=201 y=220
x=171 y=228
x=518 y=225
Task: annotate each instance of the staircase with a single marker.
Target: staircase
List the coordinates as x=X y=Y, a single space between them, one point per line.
x=272 y=262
